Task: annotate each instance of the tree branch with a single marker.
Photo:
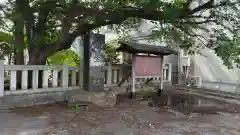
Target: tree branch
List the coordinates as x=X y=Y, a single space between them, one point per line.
x=108 y=16
x=208 y=20
x=210 y=5
x=83 y=27
x=206 y=5
x=28 y=17
x=45 y=8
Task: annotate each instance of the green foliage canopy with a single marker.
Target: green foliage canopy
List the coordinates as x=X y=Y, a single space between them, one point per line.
x=228 y=48
x=52 y=25
x=110 y=54
x=5 y=44
x=64 y=56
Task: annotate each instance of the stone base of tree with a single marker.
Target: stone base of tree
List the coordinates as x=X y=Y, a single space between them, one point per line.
x=73 y=97
x=105 y=99
x=102 y=99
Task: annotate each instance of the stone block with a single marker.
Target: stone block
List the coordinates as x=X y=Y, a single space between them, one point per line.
x=102 y=99
x=82 y=96
x=9 y=101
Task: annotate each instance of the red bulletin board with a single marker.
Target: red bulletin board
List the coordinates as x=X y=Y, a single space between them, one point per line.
x=148 y=66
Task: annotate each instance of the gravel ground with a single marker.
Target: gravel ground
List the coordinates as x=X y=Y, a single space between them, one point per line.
x=175 y=113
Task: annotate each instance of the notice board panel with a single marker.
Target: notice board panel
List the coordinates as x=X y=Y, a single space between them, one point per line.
x=148 y=66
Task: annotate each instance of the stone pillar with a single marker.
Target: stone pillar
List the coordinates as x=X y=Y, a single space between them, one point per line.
x=97 y=43
x=1 y=78
x=84 y=52
x=80 y=52
x=65 y=74
x=93 y=62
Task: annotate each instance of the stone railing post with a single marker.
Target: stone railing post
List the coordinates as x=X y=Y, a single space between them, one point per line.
x=109 y=73
x=1 y=78
x=65 y=75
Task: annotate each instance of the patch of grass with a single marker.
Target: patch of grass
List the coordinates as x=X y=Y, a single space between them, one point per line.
x=76 y=107
x=145 y=94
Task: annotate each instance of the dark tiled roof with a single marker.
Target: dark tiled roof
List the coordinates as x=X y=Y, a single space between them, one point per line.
x=145 y=48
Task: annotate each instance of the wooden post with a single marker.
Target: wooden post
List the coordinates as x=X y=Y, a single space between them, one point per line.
x=132 y=93
x=164 y=73
x=1 y=78
x=159 y=91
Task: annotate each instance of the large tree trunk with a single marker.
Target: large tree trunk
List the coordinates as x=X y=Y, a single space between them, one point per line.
x=19 y=34
x=36 y=58
x=19 y=40
x=19 y=60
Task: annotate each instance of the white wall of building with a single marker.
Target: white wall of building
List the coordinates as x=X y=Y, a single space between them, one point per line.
x=212 y=69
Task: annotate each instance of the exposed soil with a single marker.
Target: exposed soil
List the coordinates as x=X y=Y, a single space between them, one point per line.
x=174 y=113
